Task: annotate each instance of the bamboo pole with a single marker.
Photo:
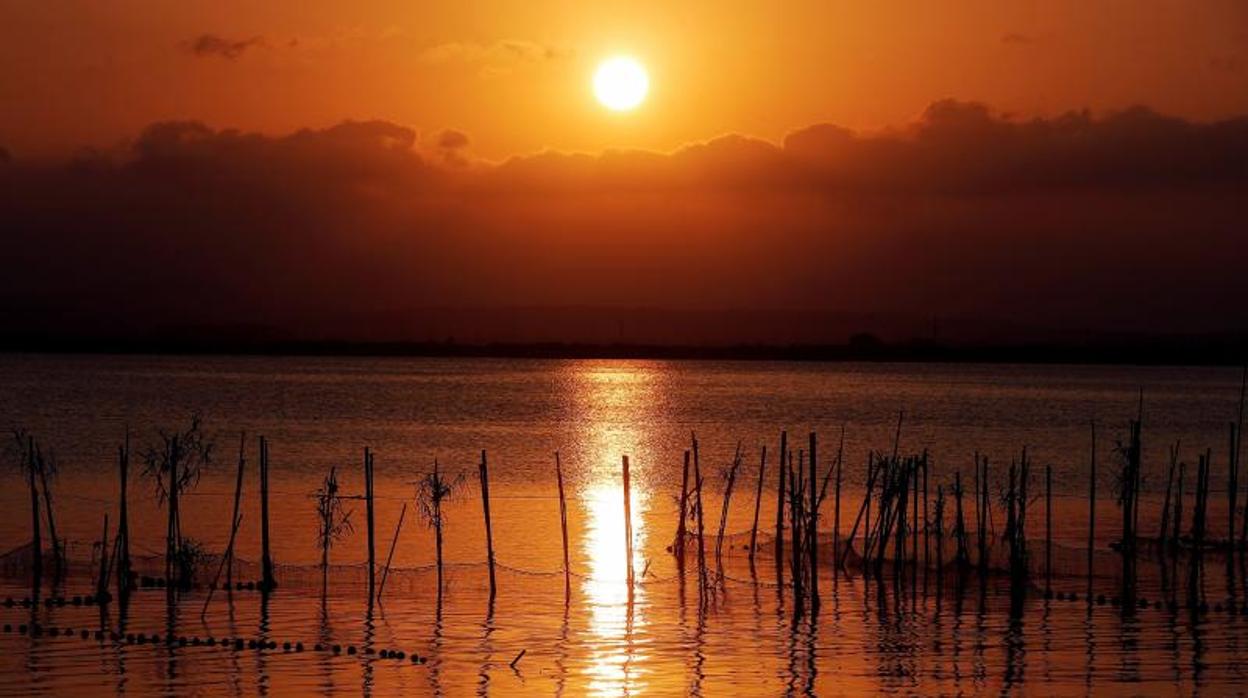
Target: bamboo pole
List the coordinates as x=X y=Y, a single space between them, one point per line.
x=235 y=518
x=981 y=511
x=963 y=556
x=927 y=522
x=1048 y=530
x=171 y=532
x=1239 y=440
x=836 y=513
x=758 y=500
x=36 y=552
x=101 y=585
x=698 y=481
x=814 y=521
x=484 y=473
x=58 y=549
x=227 y=560
x=385 y=573
x=628 y=527
x=784 y=444
x=1232 y=486
x=266 y=558
x=1092 y=509
x=563 y=525
x=123 y=526
x=371 y=524
x=723 y=512
x=681 y=525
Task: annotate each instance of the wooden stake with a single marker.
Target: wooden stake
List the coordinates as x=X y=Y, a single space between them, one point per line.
x=698 y=481
x=1092 y=508
x=235 y=518
x=123 y=526
x=101 y=585
x=784 y=445
x=814 y=520
x=266 y=558
x=368 y=510
x=836 y=513
x=628 y=527
x=758 y=499
x=489 y=531
x=681 y=527
x=36 y=552
x=390 y=557
x=1048 y=530
x=563 y=524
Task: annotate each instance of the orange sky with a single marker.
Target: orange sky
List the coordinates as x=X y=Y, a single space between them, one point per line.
x=515 y=75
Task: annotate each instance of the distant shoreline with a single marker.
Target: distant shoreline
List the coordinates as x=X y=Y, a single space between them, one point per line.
x=1222 y=351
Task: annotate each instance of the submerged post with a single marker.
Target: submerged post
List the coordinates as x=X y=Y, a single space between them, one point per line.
x=628 y=527
x=563 y=524
x=484 y=472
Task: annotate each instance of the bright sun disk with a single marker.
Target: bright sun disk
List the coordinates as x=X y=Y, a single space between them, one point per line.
x=621 y=83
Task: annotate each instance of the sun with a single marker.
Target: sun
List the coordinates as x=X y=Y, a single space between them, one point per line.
x=621 y=83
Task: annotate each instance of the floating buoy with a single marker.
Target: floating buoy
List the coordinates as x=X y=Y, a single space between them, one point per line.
x=77 y=601
x=399 y=654
x=298 y=646
x=351 y=650
x=22 y=628
x=286 y=646
x=52 y=632
x=99 y=635
x=8 y=628
x=8 y=602
x=318 y=648
x=337 y=649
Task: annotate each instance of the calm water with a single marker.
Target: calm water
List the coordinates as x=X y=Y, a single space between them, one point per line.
x=320 y=413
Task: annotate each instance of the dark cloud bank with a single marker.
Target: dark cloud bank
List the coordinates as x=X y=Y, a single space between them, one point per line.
x=974 y=226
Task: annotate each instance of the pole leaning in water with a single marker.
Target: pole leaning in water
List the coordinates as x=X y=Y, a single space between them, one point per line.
x=489 y=531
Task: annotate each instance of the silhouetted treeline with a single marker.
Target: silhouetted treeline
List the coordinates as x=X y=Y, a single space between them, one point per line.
x=1199 y=350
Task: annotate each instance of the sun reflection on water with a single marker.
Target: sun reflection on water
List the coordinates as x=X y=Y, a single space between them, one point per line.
x=615 y=396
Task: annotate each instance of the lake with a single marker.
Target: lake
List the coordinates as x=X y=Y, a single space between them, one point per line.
x=321 y=413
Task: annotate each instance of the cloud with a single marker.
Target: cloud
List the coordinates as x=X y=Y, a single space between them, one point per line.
x=210 y=45
x=499 y=57
x=451 y=139
x=1017 y=39
x=1125 y=220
